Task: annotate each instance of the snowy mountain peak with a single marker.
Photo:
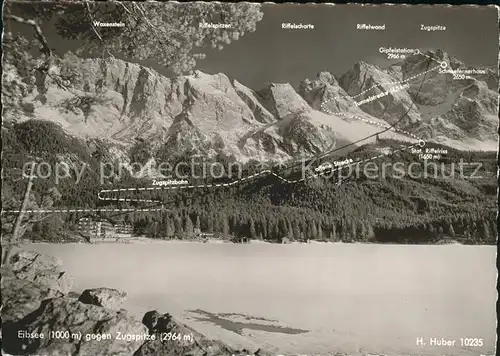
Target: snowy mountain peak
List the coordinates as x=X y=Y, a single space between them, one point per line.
x=281 y=100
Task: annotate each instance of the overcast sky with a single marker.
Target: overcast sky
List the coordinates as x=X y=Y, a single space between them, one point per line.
x=272 y=54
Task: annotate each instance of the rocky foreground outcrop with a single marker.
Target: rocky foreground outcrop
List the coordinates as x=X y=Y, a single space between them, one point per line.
x=46 y=270
x=103 y=297
x=39 y=317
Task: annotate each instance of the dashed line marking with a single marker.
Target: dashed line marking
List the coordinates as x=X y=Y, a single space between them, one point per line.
x=83 y=210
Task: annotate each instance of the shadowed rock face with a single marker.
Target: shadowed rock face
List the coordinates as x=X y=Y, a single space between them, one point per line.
x=282 y=100
x=103 y=297
x=166 y=343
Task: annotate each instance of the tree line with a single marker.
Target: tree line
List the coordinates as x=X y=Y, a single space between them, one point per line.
x=379 y=210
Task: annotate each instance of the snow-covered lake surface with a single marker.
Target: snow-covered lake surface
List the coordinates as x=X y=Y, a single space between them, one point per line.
x=305 y=298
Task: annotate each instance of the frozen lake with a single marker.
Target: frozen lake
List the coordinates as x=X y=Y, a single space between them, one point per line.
x=305 y=298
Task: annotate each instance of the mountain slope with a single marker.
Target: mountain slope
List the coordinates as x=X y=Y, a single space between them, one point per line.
x=439 y=99
x=371 y=81
x=458 y=104
x=204 y=114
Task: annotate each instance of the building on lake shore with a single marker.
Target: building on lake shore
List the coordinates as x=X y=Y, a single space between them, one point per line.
x=96 y=227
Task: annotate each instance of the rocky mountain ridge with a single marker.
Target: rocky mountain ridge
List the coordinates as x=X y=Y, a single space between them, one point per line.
x=436 y=97
x=204 y=114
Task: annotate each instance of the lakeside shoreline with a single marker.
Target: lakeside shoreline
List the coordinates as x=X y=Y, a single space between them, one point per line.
x=39 y=306
x=143 y=239
x=182 y=276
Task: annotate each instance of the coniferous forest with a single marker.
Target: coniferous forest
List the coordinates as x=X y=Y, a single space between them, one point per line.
x=357 y=209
